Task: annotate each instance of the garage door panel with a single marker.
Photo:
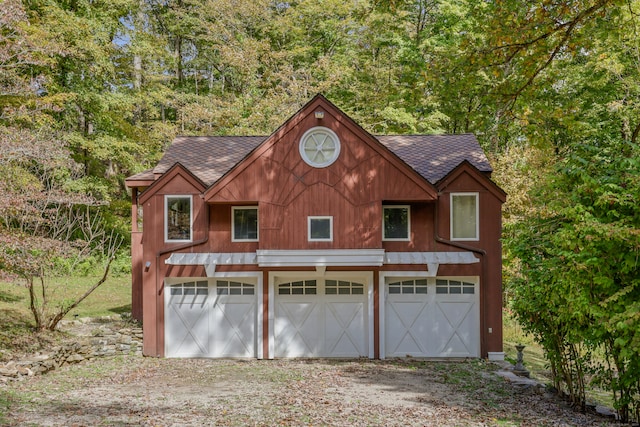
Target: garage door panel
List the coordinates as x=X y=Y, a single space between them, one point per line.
x=296 y=329
x=234 y=327
x=412 y=318
x=203 y=320
x=188 y=330
x=433 y=323
x=344 y=326
x=458 y=323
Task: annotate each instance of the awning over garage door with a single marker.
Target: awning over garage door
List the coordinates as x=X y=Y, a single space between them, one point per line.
x=321 y=258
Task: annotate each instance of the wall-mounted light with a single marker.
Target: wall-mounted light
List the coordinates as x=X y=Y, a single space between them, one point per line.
x=147 y=265
x=319 y=115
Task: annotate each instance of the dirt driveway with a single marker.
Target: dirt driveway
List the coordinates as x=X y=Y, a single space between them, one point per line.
x=133 y=390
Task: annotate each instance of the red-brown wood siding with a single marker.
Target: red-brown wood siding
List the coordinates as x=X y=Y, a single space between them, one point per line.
x=137 y=271
x=156 y=250
x=351 y=190
x=490 y=267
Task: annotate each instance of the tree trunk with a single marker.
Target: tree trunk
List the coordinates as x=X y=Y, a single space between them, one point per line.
x=53 y=322
x=33 y=304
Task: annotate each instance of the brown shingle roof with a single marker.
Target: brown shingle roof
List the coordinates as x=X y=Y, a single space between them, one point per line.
x=432 y=156
x=208 y=157
x=144 y=175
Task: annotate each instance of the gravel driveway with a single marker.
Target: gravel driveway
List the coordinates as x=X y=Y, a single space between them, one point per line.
x=133 y=390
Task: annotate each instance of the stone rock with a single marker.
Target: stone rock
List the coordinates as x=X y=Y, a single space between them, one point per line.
x=24 y=371
x=8 y=372
x=75 y=358
x=606 y=412
x=124 y=339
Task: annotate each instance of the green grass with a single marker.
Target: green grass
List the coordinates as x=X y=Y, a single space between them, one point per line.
x=533 y=354
x=16 y=335
x=112 y=297
x=5 y=403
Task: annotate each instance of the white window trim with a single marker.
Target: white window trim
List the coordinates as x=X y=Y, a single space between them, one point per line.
x=233 y=225
x=310 y=218
x=389 y=239
x=166 y=217
x=477 y=196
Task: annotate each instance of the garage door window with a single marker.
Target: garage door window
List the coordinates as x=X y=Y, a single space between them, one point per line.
x=226 y=287
x=301 y=287
x=191 y=288
x=454 y=287
x=417 y=286
x=343 y=287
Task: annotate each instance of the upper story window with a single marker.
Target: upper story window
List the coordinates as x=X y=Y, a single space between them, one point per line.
x=464 y=216
x=395 y=223
x=177 y=218
x=244 y=224
x=320 y=228
x=319 y=147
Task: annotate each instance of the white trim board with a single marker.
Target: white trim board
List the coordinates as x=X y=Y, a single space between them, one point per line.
x=321 y=258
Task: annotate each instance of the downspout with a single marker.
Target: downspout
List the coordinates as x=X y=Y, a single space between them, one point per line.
x=186 y=245
x=483 y=278
x=177 y=248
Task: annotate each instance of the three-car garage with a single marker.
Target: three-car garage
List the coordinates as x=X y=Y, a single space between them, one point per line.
x=322 y=315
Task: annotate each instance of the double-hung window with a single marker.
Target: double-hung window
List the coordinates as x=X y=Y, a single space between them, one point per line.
x=244 y=224
x=178 y=214
x=464 y=216
x=395 y=223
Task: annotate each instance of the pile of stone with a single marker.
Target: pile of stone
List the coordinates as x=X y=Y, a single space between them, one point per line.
x=108 y=339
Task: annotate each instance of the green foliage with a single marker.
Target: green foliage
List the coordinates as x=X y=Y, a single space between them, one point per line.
x=579 y=271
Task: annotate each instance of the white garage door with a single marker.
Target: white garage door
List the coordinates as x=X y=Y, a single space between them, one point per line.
x=320 y=318
x=432 y=318
x=211 y=318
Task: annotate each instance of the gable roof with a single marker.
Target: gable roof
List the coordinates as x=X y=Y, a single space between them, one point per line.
x=333 y=118
x=432 y=156
x=209 y=158
x=176 y=169
x=469 y=168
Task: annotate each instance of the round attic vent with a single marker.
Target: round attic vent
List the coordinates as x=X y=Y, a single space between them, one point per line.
x=319 y=147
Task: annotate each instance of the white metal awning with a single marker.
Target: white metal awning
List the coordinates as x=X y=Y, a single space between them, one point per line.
x=321 y=258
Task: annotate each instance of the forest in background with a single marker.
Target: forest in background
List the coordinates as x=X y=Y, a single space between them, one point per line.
x=92 y=91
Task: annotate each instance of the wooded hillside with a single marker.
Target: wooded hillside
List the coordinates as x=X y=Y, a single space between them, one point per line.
x=92 y=91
